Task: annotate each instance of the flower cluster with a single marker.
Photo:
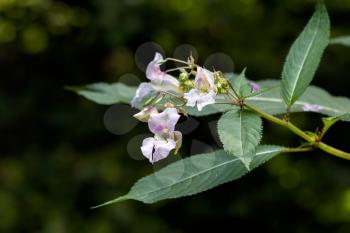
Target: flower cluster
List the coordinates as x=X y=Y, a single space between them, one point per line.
x=165 y=137
x=151 y=96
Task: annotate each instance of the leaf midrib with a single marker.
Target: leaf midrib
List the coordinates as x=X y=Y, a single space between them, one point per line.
x=302 y=103
x=241 y=132
x=304 y=59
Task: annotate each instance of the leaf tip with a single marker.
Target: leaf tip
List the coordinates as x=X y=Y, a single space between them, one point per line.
x=119 y=199
x=246 y=162
x=72 y=88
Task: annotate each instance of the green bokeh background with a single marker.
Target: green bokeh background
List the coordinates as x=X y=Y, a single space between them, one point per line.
x=57 y=158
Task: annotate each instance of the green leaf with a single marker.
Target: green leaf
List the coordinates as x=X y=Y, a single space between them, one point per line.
x=240 y=133
x=305 y=55
x=241 y=85
x=271 y=102
x=341 y=40
x=328 y=122
x=104 y=93
x=193 y=175
x=344 y=117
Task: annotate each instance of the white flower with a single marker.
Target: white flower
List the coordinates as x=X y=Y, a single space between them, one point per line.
x=159 y=81
x=165 y=138
x=156 y=149
x=203 y=92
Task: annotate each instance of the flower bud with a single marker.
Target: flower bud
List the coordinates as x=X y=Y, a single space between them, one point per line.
x=145 y=114
x=183 y=77
x=255 y=87
x=222 y=85
x=178 y=141
x=189 y=84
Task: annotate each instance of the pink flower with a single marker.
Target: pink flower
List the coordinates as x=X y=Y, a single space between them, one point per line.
x=165 y=137
x=153 y=71
x=163 y=123
x=312 y=108
x=203 y=92
x=159 y=81
x=255 y=87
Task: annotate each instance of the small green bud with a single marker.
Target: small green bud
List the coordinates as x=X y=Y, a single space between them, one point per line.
x=216 y=77
x=183 y=77
x=189 y=84
x=222 y=84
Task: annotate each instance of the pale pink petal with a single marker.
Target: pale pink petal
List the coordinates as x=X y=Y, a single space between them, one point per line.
x=164 y=122
x=210 y=78
x=204 y=79
x=191 y=97
x=153 y=71
x=156 y=149
x=169 y=83
x=173 y=117
x=147 y=148
x=162 y=149
x=255 y=87
x=166 y=83
x=194 y=97
x=205 y=99
x=142 y=91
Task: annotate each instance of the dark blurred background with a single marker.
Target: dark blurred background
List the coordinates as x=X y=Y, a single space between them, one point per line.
x=57 y=158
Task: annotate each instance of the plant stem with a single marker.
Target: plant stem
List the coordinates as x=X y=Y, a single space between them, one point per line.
x=177 y=68
x=176 y=60
x=299 y=132
x=334 y=151
x=299 y=149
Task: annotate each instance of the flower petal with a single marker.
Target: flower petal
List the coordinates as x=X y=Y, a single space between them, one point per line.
x=205 y=99
x=204 y=79
x=145 y=114
x=153 y=71
x=163 y=123
x=142 y=91
x=192 y=97
x=166 y=83
x=162 y=149
x=255 y=87
x=147 y=148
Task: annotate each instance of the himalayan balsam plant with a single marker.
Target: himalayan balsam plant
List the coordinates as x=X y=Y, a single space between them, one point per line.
x=198 y=91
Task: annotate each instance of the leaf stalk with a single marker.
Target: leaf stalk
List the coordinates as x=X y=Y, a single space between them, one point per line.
x=314 y=141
